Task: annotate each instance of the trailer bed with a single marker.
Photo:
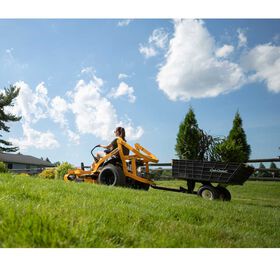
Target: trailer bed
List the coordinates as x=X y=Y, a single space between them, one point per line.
x=229 y=173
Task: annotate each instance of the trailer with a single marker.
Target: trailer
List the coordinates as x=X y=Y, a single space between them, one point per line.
x=209 y=173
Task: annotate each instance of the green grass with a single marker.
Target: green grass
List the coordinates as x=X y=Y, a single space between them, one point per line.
x=46 y=213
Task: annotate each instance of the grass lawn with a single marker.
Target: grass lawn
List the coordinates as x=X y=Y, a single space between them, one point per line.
x=46 y=213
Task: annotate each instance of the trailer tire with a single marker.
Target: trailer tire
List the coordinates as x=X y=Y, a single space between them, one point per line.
x=208 y=192
x=111 y=175
x=224 y=193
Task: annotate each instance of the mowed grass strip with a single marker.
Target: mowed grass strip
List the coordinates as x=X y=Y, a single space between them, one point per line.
x=46 y=213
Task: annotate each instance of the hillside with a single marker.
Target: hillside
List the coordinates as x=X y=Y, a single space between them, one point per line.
x=50 y=213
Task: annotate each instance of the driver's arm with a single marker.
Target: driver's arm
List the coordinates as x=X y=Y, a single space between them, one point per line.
x=110 y=146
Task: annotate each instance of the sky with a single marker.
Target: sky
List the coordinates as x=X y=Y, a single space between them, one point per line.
x=80 y=78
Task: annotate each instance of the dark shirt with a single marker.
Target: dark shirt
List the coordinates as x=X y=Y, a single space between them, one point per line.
x=114 y=144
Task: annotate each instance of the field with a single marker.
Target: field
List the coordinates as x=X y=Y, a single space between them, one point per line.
x=46 y=213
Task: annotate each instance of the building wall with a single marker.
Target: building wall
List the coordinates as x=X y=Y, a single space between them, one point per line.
x=24 y=168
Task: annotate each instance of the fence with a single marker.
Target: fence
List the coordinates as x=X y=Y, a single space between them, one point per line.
x=253 y=177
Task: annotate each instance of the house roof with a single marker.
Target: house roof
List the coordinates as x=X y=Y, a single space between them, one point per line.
x=20 y=158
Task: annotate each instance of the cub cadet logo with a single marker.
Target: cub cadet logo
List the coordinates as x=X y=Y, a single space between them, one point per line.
x=218 y=170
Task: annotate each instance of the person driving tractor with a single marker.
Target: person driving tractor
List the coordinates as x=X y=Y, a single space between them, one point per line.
x=119 y=132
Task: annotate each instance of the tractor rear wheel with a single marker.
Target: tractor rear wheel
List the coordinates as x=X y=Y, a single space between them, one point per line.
x=111 y=175
x=208 y=192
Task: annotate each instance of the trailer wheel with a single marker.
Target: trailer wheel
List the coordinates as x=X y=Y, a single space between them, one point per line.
x=224 y=194
x=208 y=192
x=111 y=175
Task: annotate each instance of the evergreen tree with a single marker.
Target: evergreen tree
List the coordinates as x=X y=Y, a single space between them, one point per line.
x=274 y=173
x=263 y=173
x=235 y=147
x=6 y=99
x=238 y=136
x=188 y=138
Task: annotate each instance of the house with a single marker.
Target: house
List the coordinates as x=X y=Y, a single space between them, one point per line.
x=19 y=163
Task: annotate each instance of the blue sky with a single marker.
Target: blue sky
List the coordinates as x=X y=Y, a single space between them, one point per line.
x=81 y=78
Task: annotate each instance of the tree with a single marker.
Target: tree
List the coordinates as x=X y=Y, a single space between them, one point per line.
x=6 y=99
x=263 y=173
x=193 y=143
x=235 y=147
x=188 y=138
x=274 y=173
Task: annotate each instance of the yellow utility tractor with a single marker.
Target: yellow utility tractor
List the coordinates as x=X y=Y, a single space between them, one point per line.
x=124 y=166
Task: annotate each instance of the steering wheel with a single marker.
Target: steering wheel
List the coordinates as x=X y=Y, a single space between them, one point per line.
x=94 y=157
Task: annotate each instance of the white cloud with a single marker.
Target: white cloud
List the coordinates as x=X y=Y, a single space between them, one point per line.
x=264 y=61
x=122 y=76
x=132 y=133
x=34 y=106
x=156 y=41
x=36 y=139
x=73 y=137
x=9 y=52
x=147 y=51
x=87 y=70
x=124 y=22
x=242 y=39
x=11 y=63
x=191 y=69
x=58 y=108
x=158 y=38
x=95 y=114
x=224 y=51
x=31 y=105
x=123 y=90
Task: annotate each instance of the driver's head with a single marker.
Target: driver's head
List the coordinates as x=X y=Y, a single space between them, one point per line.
x=120 y=132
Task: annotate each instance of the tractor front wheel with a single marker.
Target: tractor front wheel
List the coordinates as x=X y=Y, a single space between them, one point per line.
x=111 y=175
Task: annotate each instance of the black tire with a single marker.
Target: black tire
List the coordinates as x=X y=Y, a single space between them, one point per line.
x=71 y=177
x=111 y=175
x=208 y=192
x=224 y=194
x=74 y=178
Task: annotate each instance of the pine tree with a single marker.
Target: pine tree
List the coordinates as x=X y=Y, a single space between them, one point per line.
x=263 y=173
x=274 y=173
x=6 y=99
x=238 y=136
x=188 y=138
x=235 y=148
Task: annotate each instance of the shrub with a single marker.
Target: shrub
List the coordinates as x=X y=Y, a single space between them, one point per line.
x=48 y=173
x=62 y=169
x=3 y=167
